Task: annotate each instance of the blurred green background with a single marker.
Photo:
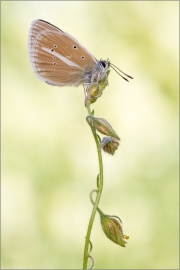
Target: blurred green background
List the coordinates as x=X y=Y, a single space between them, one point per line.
x=49 y=160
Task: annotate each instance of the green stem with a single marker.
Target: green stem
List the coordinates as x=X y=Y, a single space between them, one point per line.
x=100 y=187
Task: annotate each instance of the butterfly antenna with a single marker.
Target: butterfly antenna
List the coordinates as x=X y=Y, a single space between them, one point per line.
x=113 y=67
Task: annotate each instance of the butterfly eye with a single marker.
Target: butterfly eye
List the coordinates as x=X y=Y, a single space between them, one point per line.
x=103 y=64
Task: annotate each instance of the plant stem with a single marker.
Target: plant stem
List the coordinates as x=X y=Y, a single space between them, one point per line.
x=100 y=187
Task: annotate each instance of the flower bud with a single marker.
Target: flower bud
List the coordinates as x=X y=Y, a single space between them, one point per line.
x=113 y=230
x=102 y=126
x=95 y=91
x=109 y=145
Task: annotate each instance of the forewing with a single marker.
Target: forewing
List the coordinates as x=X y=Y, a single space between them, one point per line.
x=57 y=57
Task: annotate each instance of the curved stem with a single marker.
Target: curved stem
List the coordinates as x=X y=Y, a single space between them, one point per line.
x=98 y=209
x=100 y=187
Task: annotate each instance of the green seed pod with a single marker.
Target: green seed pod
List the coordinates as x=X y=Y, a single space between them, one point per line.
x=102 y=126
x=113 y=230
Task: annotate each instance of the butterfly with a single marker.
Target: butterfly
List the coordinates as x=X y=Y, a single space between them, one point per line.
x=59 y=59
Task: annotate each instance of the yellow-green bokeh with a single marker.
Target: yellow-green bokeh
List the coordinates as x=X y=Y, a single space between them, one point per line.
x=49 y=160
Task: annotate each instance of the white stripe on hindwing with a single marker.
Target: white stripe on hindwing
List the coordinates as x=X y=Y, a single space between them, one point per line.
x=61 y=57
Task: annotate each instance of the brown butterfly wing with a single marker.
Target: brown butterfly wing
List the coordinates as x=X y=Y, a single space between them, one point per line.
x=57 y=57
